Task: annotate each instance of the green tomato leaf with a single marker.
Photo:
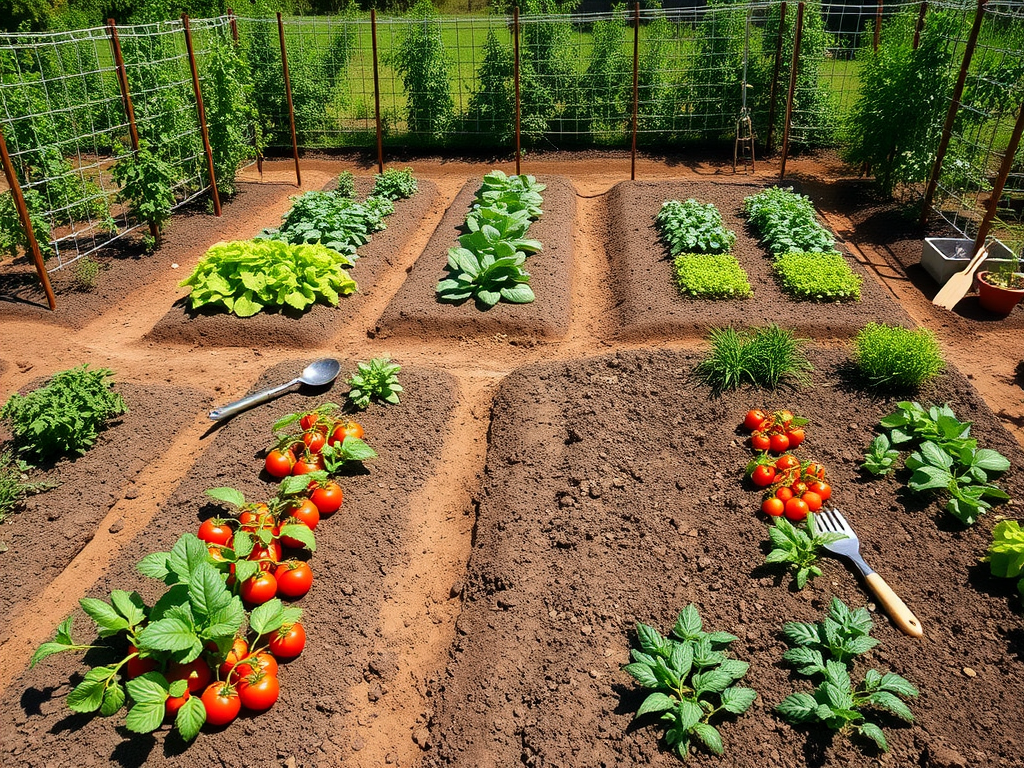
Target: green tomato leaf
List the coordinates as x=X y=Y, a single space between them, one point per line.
x=88 y=695
x=169 y=634
x=107 y=620
x=191 y=718
x=145 y=717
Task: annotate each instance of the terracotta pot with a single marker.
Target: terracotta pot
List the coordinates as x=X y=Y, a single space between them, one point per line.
x=1000 y=301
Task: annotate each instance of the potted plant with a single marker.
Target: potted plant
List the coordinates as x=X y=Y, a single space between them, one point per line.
x=1000 y=289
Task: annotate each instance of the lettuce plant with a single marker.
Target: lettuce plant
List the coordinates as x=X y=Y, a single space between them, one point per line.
x=692 y=227
x=817 y=276
x=1006 y=553
x=711 y=276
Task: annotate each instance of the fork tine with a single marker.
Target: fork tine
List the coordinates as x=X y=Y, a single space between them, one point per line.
x=826 y=522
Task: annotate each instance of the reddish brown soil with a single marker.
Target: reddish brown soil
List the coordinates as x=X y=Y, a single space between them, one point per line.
x=384 y=683
x=416 y=311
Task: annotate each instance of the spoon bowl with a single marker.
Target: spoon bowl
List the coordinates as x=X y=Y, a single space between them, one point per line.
x=316 y=374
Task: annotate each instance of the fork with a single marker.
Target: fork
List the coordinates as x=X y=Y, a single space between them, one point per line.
x=832 y=521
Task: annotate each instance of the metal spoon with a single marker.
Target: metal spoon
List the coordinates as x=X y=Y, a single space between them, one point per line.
x=316 y=374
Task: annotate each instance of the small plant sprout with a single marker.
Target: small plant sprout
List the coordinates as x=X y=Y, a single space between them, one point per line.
x=375 y=380
x=798 y=548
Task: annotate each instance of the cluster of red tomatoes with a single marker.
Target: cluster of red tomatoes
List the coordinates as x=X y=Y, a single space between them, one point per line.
x=793 y=488
x=300 y=454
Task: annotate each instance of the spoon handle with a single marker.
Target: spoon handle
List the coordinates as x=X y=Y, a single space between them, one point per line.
x=249 y=401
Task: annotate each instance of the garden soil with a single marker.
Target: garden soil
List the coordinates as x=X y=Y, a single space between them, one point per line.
x=437 y=566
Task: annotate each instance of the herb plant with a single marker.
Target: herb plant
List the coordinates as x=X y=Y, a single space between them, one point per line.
x=65 y=417
x=817 y=277
x=15 y=484
x=764 y=357
x=692 y=679
x=881 y=457
x=798 y=548
x=711 y=276
x=394 y=184
x=146 y=182
x=247 y=276
x=891 y=357
x=842 y=635
x=692 y=227
x=1006 y=553
x=333 y=220
x=377 y=379
x=787 y=222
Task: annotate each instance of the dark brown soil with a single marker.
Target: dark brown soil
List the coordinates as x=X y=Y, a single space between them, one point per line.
x=415 y=310
x=650 y=302
x=64 y=519
x=357 y=547
x=613 y=494
x=214 y=327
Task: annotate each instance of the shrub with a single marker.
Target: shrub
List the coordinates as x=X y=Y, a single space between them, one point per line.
x=764 y=357
x=896 y=358
x=817 y=277
x=692 y=227
x=346 y=185
x=711 y=276
x=146 y=186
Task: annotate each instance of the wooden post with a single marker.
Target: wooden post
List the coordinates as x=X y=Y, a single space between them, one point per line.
x=234 y=26
x=515 y=79
x=291 y=107
x=775 y=76
x=636 y=87
x=376 y=92
x=202 y=114
x=920 y=23
x=878 y=26
x=997 y=187
x=792 y=86
x=126 y=99
x=26 y=222
x=954 y=103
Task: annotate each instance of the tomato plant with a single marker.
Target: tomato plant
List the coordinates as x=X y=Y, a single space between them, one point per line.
x=306 y=512
x=294 y=578
x=823 y=489
x=786 y=461
x=760 y=442
x=314 y=440
x=307 y=464
x=288 y=641
x=196 y=674
x=778 y=443
x=345 y=430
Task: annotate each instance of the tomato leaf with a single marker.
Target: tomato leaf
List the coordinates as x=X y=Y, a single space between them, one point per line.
x=242 y=544
x=227 y=495
x=291 y=615
x=177 y=688
x=150 y=687
x=298 y=483
x=154 y=565
x=246 y=569
x=268 y=617
x=87 y=696
x=145 y=717
x=300 y=532
x=129 y=605
x=60 y=643
x=191 y=718
x=187 y=555
x=113 y=699
x=172 y=599
x=207 y=591
x=798 y=708
x=354 y=449
x=642 y=673
x=169 y=634
x=107 y=619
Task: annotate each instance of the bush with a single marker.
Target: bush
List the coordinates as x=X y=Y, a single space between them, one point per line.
x=891 y=357
x=817 y=277
x=765 y=357
x=711 y=276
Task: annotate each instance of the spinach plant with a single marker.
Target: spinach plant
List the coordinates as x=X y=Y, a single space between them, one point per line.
x=332 y=219
x=692 y=680
x=377 y=379
x=692 y=227
x=394 y=184
x=799 y=548
x=787 y=222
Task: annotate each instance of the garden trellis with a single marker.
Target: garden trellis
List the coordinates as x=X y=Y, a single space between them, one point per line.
x=428 y=81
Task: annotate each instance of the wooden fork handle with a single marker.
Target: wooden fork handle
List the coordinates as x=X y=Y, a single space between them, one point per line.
x=894 y=606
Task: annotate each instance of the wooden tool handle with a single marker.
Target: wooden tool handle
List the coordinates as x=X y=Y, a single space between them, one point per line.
x=895 y=607
x=972 y=265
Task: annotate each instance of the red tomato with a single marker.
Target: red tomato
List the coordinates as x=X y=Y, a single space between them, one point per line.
x=327 y=498
x=287 y=642
x=754 y=418
x=309 y=419
x=784 y=493
x=222 y=703
x=258 y=692
x=345 y=429
x=787 y=461
x=259 y=589
x=314 y=440
x=798 y=488
x=307 y=464
x=773 y=506
x=262 y=662
x=796 y=436
x=763 y=475
x=139 y=666
x=822 y=489
x=279 y=463
x=815 y=470
x=760 y=442
x=268 y=557
x=174 y=703
x=306 y=511
x=294 y=578
x=812 y=500
x=239 y=650
x=778 y=443
x=215 y=531
x=254 y=517
x=196 y=674
x=796 y=510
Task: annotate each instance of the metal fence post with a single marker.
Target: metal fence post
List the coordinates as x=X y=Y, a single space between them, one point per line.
x=636 y=87
x=997 y=187
x=515 y=78
x=792 y=86
x=26 y=222
x=291 y=107
x=954 y=103
x=202 y=114
x=920 y=24
x=775 y=76
x=376 y=92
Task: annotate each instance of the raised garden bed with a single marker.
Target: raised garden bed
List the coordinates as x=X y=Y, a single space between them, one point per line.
x=415 y=310
x=45 y=536
x=358 y=546
x=613 y=494
x=650 y=304
x=214 y=327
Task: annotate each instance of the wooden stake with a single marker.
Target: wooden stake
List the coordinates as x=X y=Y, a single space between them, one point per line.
x=636 y=86
x=878 y=26
x=291 y=107
x=997 y=187
x=515 y=79
x=376 y=92
x=775 y=77
x=954 y=104
x=26 y=222
x=202 y=114
x=920 y=23
x=792 y=86
x=234 y=26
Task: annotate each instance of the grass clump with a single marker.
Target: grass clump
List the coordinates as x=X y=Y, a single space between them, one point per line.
x=711 y=276
x=692 y=227
x=895 y=358
x=764 y=357
x=817 y=276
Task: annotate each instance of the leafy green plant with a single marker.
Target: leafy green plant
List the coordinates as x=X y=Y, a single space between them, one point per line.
x=332 y=219
x=798 y=548
x=64 y=417
x=1006 y=553
x=841 y=635
x=692 y=680
x=377 y=379
x=248 y=276
x=346 y=185
x=912 y=423
x=15 y=485
x=13 y=240
x=692 y=227
x=787 y=222
x=711 y=276
x=892 y=357
x=146 y=186
x=817 y=276
x=880 y=457
x=394 y=184
x=764 y=357
x=86 y=271
x=488 y=277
